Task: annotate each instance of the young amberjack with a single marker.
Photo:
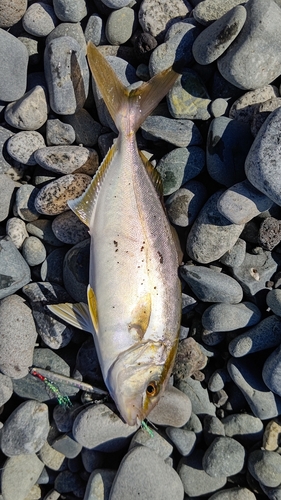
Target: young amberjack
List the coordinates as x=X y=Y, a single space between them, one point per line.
x=134 y=294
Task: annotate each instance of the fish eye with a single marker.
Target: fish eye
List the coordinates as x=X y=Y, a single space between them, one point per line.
x=152 y=389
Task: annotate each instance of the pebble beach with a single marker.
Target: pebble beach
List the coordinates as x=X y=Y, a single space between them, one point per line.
x=216 y=142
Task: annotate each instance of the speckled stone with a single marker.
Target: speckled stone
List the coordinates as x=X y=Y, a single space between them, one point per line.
x=5 y=134
x=269 y=233
x=70 y=12
x=14 y=58
x=188 y=98
x=211 y=235
x=33 y=251
x=23 y=470
x=265 y=466
x=245 y=107
x=39 y=19
x=210 y=10
x=59 y=133
x=22 y=146
x=271 y=436
x=69 y=229
x=26 y=429
x=30 y=112
x=217 y=37
x=17 y=338
x=25 y=203
x=265 y=335
x=52 y=199
x=10 y=14
x=14 y=270
x=156 y=18
x=228 y=317
x=68 y=159
x=94 y=30
x=184 y=204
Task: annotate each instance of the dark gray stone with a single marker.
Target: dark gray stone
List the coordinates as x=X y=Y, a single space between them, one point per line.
x=229 y=317
x=265 y=335
x=224 y=457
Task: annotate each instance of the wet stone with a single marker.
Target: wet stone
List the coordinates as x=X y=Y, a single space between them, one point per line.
x=181 y=133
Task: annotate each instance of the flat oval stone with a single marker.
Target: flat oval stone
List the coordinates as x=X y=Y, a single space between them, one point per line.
x=30 y=112
x=265 y=467
x=271 y=372
x=265 y=335
x=209 y=11
x=262 y=164
x=211 y=286
x=33 y=251
x=68 y=89
x=52 y=199
x=68 y=159
x=211 y=235
x=242 y=202
x=11 y=13
x=23 y=145
x=224 y=457
x=119 y=26
x=263 y=403
x=14 y=58
x=229 y=317
x=253 y=59
x=184 y=205
x=70 y=12
x=237 y=426
x=69 y=229
x=181 y=133
x=39 y=19
x=216 y=38
x=26 y=429
x=23 y=470
x=18 y=337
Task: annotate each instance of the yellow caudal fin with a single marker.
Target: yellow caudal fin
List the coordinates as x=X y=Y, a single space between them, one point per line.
x=128 y=108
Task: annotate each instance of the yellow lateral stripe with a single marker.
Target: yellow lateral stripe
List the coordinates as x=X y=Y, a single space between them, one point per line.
x=92 y=301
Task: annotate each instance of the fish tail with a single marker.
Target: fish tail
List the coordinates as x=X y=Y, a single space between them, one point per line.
x=128 y=108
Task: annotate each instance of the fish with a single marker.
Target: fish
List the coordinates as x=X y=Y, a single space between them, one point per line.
x=134 y=292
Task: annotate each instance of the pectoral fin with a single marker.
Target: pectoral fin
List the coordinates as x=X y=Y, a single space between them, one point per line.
x=76 y=315
x=140 y=317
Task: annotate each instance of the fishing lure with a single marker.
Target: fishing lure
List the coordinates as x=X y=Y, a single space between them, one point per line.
x=63 y=400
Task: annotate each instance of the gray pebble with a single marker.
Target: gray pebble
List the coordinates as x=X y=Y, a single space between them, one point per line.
x=68 y=11
x=217 y=37
x=173 y=408
x=14 y=270
x=198 y=395
x=213 y=428
x=242 y=202
x=180 y=166
x=14 y=58
x=229 y=317
x=188 y=98
x=22 y=146
x=265 y=466
x=42 y=229
x=52 y=459
x=155 y=18
x=86 y=129
x=99 y=480
x=113 y=433
x=271 y=372
x=11 y=14
x=157 y=443
x=52 y=199
x=184 y=204
x=94 y=29
x=74 y=30
x=211 y=286
x=245 y=107
x=119 y=26
x=33 y=48
x=16 y=230
x=211 y=10
x=218 y=379
x=211 y=235
x=7 y=188
x=181 y=133
x=252 y=60
x=17 y=338
x=224 y=457
x=5 y=134
x=247 y=429
x=116 y=4
x=155 y=479
x=92 y=459
x=218 y=107
x=263 y=403
x=66 y=445
x=67 y=75
x=255 y=271
x=265 y=335
x=52 y=267
x=262 y=111
x=26 y=429
x=236 y=255
x=59 y=133
x=196 y=481
x=30 y=112
x=19 y=475
x=273 y=300
x=75 y=276
x=228 y=144
x=39 y=19
x=69 y=229
x=67 y=159
x=183 y=440
x=237 y=493
x=6 y=388
x=25 y=203
x=68 y=482
x=33 y=251
x=262 y=162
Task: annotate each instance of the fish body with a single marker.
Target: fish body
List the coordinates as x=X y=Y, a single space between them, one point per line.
x=134 y=294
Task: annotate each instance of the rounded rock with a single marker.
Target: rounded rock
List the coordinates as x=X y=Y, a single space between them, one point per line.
x=229 y=317
x=11 y=13
x=30 y=112
x=72 y=12
x=52 y=199
x=24 y=471
x=116 y=4
x=25 y=202
x=18 y=337
x=173 y=409
x=237 y=493
x=14 y=58
x=119 y=26
x=188 y=98
x=265 y=467
x=86 y=129
x=26 y=429
x=68 y=159
x=265 y=335
x=39 y=19
x=181 y=133
x=16 y=230
x=7 y=188
x=271 y=372
x=14 y=270
x=211 y=10
x=183 y=440
x=157 y=443
x=23 y=145
x=69 y=229
x=243 y=427
x=33 y=251
x=224 y=457
x=212 y=286
x=156 y=18
x=99 y=480
x=184 y=205
x=59 y=133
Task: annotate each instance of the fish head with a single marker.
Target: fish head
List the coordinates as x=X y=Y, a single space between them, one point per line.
x=137 y=379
